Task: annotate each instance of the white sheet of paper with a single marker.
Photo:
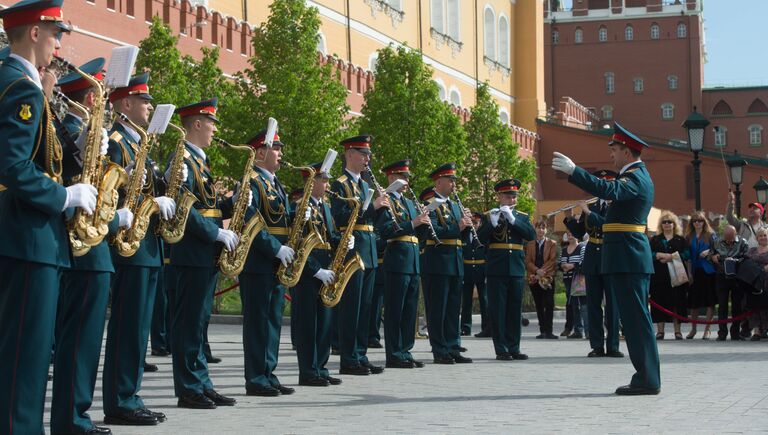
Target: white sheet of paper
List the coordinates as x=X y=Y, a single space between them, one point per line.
x=434 y=203
x=271 y=131
x=330 y=157
x=120 y=68
x=161 y=118
x=367 y=202
x=395 y=186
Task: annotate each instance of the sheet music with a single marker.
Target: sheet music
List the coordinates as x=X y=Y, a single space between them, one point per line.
x=161 y=118
x=367 y=202
x=330 y=157
x=434 y=203
x=121 y=64
x=396 y=185
x=271 y=131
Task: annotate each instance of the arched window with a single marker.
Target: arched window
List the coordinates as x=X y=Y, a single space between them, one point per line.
x=441 y=90
x=667 y=111
x=504 y=117
x=555 y=36
x=655 y=31
x=453 y=10
x=757 y=106
x=455 y=97
x=321 y=43
x=637 y=85
x=722 y=108
x=721 y=136
x=672 y=82
x=610 y=84
x=602 y=34
x=578 y=36
x=437 y=14
x=489 y=32
x=755 y=135
x=503 y=41
x=682 y=30
x=372 y=60
x=607 y=112
x=629 y=33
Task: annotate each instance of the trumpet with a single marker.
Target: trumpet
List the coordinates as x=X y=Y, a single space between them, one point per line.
x=571 y=207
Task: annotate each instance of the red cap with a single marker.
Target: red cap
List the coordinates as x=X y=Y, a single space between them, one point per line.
x=199 y=110
x=31 y=16
x=117 y=94
x=758 y=206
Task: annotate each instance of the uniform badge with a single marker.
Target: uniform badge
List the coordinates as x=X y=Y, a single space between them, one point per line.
x=25 y=113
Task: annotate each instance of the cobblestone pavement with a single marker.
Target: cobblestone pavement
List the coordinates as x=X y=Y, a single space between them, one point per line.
x=707 y=387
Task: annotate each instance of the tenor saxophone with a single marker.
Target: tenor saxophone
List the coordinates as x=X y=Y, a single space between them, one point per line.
x=172 y=230
x=127 y=241
x=301 y=244
x=231 y=263
x=330 y=294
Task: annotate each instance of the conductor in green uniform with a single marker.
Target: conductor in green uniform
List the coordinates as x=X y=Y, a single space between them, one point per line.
x=626 y=261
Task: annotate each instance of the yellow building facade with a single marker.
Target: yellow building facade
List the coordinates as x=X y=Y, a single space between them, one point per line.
x=464 y=41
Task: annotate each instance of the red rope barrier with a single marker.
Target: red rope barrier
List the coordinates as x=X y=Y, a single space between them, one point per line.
x=738 y=318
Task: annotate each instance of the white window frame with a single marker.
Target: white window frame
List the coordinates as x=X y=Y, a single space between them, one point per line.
x=607 y=111
x=437 y=12
x=322 y=45
x=638 y=85
x=454 y=91
x=602 y=34
x=555 y=36
x=629 y=33
x=610 y=83
x=655 y=31
x=755 y=135
x=440 y=17
x=489 y=33
x=578 y=36
x=372 y=59
x=502 y=38
x=667 y=111
x=504 y=114
x=721 y=136
x=682 y=30
x=442 y=91
x=673 y=83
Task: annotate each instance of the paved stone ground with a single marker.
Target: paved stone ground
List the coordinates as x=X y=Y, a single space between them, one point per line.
x=707 y=387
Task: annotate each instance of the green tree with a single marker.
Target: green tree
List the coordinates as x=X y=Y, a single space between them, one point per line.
x=404 y=114
x=287 y=81
x=493 y=156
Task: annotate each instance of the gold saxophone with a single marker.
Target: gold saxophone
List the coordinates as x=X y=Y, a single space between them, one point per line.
x=330 y=294
x=87 y=231
x=232 y=263
x=172 y=230
x=301 y=244
x=127 y=241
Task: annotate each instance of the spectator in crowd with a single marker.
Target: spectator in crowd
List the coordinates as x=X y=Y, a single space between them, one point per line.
x=571 y=257
x=728 y=252
x=701 y=293
x=667 y=242
x=568 y=311
x=746 y=228
x=755 y=299
x=540 y=261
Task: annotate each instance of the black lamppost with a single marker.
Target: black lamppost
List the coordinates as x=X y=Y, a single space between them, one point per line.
x=736 y=165
x=761 y=189
x=696 y=125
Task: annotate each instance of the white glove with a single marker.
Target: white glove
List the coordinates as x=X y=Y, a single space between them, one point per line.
x=167 y=207
x=351 y=243
x=307 y=214
x=124 y=218
x=562 y=163
x=285 y=255
x=104 y=142
x=507 y=212
x=494 y=216
x=83 y=196
x=228 y=238
x=80 y=141
x=325 y=275
x=184 y=173
x=237 y=193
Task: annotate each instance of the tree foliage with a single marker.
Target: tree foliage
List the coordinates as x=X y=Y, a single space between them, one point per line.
x=493 y=156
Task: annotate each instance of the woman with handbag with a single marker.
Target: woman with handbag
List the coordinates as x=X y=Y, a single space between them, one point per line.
x=575 y=288
x=670 y=250
x=702 y=292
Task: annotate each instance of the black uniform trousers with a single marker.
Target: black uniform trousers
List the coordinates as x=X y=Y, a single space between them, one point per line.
x=401 y=300
x=353 y=314
x=505 y=297
x=443 y=312
x=474 y=277
x=313 y=329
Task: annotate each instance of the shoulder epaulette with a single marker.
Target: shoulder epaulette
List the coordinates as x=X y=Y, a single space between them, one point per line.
x=187 y=155
x=628 y=171
x=116 y=136
x=342 y=179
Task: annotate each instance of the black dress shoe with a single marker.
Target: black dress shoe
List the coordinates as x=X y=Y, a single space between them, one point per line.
x=551 y=336
x=504 y=357
x=218 y=399
x=97 y=430
x=195 y=401
x=576 y=335
x=261 y=390
x=375 y=370
x=137 y=417
x=210 y=359
x=285 y=390
x=540 y=336
x=519 y=356
x=629 y=390
x=461 y=349
x=375 y=345
x=333 y=381
x=160 y=352
x=407 y=364
x=443 y=359
x=596 y=353
x=460 y=359
x=150 y=368
x=483 y=334
x=416 y=363
x=158 y=415
x=614 y=354
x=314 y=382
x=354 y=370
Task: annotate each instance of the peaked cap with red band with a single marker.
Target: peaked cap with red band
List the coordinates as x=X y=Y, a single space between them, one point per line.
x=34 y=11
x=401 y=167
x=360 y=143
x=74 y=82
x=510 y=185
x=258 y=140
x=446 y=170
x=137 y=86
x=316 y=166
x=624 y=137
x=206 y=108
x=605 y=174
x=427 y=194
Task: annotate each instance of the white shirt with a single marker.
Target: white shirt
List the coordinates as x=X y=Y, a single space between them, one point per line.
x=30 y=69
x=270 y=176
x=628 y=165
x=131 y=132
x=355 y=176
x=197 y=150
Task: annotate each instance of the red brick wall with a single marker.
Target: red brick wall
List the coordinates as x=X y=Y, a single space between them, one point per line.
x=737 y=136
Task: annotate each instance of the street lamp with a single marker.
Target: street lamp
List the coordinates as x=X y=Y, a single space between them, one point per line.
x=761 y=189
x=696 y=125
x=736 y=165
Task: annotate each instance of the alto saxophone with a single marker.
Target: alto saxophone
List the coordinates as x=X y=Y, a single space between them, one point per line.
x=87 y=231
x=172 y=230
x=127 y=241
x=231 y=263
x=330 y=294
x=302 y=245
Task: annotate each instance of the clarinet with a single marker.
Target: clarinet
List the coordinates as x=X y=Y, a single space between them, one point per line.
x=422 y=210
x=378 y=188
x=464 y=213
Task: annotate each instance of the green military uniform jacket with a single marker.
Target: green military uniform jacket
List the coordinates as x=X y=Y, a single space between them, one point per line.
x=402 y=245
x=592 y=225
x=320 y=257
x=626 y=250
x=198 y=247
x=31 y=198
x=504 y=255
x=445 y=259
x=365 y=241
x=473 y=252
x=271 y=200
x=123 y=149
